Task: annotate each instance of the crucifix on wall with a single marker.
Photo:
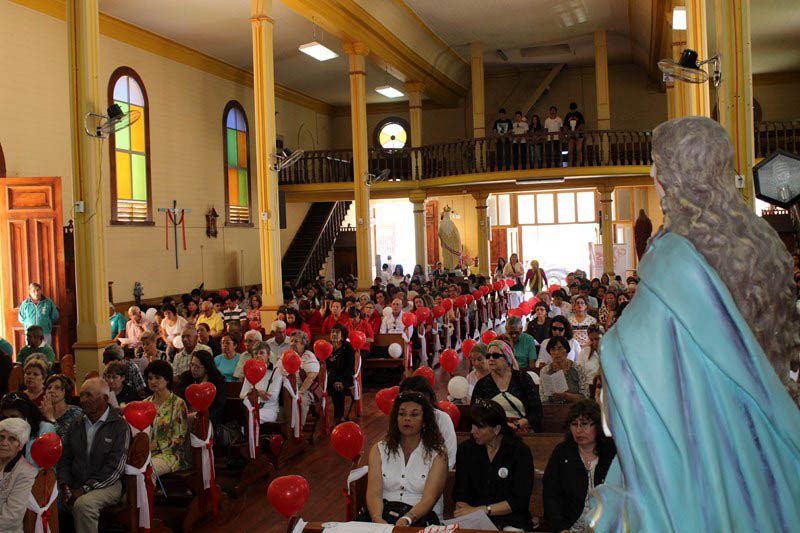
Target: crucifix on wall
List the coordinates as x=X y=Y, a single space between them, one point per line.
x=175 y=216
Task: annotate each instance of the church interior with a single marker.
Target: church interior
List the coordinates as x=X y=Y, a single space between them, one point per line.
x=263 y=231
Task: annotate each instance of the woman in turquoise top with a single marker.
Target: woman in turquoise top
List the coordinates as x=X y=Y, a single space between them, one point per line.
x=226 y=361
x=18 y=405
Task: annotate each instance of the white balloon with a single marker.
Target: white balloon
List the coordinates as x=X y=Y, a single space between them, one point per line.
x=177 y=342
x=458 y=387
x=387 y=311
x=395 y=350
x=150 y=315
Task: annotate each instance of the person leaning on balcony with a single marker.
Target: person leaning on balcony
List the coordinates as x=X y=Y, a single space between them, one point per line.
x=574 y=125
x=553 y=124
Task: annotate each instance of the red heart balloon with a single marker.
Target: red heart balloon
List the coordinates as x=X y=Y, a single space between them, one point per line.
x=498 y=285
x=357 y=339
x=515 y=312
x=384 y=399
x=140 y=414
x=533 y=300
x=438 y=311
x=423 y=314
x=525 y=307
x=427 y=373
x=291 y=361
x=476 y=294
x=288 y=494
x=409 y=319
x=451 y=410
x=348 y=440
x=322 y=349
x=275 y=444
x=488 y=336
x=553 y=288
x=466 y=347
x=223 y=293
x=46 y=450
x=485 y=289
x=449 y=360
x=469 y=299
x=201 y=395
x=461 y=302
x=254 y=370
x=254 y=324
x=447 y=303
x=510 y=282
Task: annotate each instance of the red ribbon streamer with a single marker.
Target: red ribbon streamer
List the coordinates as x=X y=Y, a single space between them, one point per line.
x=347 y=517
x=171 y=220
x=256 y=428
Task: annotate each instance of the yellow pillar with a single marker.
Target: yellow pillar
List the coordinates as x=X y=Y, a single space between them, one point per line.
x=601 y=84
x=268 y=219
x=414 y=89
x=608 y=227
x=676 y=103
x=690 y=98
x=93 y=332
x=484 y=259
x=478 y=98
x=735 y=91
x=357 y=54
x=417 y=197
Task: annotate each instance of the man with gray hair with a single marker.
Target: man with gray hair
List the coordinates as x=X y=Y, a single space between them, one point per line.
x=180 y=363
x=94 y=456
x=278 y=343
x=252 y=338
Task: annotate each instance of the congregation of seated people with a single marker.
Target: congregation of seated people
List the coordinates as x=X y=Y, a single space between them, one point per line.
x=207 y=337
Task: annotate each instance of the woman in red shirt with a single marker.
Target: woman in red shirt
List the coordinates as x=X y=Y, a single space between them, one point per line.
x=294 y=322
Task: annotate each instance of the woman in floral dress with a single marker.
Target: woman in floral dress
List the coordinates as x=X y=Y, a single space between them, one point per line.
x=170 y=427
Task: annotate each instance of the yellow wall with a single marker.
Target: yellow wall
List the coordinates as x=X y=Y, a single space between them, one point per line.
x=186 y=106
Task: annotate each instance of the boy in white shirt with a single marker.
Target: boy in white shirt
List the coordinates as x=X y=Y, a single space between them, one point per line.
x=553 y=124
x=520 y=147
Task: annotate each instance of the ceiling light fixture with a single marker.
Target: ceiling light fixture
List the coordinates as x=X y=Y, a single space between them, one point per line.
x=679 y=18
x=318 y=51
x=388 y=91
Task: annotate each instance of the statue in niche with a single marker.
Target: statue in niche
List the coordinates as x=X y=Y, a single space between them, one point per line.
x=450 y=240
x=211 y=223
x=642 y=230
x=696 y=392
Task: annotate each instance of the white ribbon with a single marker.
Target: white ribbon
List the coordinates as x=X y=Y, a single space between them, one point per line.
x=423 y=349
x=356 y=386
x=33 y=505
x=142 y=500
x=253 y=429
x=295 y=409
x=206 y=453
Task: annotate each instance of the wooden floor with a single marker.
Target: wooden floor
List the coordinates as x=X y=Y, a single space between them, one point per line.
x=324 y=469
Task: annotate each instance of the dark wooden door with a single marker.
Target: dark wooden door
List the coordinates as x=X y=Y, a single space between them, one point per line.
x=432 y=230
x=498 y=246
x=32 y=249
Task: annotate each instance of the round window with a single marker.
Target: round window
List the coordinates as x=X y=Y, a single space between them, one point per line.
x=392 y=136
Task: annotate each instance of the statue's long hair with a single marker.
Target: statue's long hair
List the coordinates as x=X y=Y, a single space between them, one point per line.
x=693 y=159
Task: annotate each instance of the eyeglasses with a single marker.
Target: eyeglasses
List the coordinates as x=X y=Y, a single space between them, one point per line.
x=581 y=424
x=495 y=356
x=557 y=328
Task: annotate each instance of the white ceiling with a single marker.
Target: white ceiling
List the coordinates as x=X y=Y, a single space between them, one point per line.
x=221 y=29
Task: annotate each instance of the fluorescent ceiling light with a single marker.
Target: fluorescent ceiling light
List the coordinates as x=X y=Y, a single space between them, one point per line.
x=679 y=18
x=540 y=181
x=388 y=91
x=317 y=51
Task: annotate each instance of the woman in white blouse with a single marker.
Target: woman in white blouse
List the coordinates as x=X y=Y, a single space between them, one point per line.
x=580 y=321
x=172 y=325
x=408 y=468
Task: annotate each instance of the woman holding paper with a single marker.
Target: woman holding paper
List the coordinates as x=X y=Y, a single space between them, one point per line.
x=571 y=384
x=512 y=389
x=494 y=471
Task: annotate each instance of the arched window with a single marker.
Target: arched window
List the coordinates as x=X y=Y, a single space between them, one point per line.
x=237 y=165
x=391 y=134
x=131 y=201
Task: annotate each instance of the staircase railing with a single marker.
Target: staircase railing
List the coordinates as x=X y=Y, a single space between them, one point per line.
x=323 y=243
x=774 y=135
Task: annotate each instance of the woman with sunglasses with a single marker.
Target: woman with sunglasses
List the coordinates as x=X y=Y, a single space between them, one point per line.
x=512 y=389
x=494 y=470
x=408 y=468
x=576 y=467
x=574 y=374
x=559 y=327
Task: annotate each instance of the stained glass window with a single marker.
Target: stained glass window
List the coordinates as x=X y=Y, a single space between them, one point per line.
x=237 y=167
x=392 y=136
x=129 y=148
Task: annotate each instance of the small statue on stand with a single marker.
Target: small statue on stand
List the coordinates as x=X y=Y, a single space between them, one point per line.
x=211 y=223
x=450 y=240
x=138 y=292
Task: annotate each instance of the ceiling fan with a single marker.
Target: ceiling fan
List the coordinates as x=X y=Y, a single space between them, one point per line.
x=372 y=178
x=687 y=68
x=285 y=159
x=113 y=120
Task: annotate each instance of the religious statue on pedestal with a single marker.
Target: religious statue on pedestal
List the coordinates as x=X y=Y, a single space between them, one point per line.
x=695 y=372
x=450 y=240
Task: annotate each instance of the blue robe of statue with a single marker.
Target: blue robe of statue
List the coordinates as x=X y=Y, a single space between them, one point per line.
x=707 y=437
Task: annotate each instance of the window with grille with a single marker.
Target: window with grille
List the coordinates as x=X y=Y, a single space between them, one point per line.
x=237 y=165
x=131 y=202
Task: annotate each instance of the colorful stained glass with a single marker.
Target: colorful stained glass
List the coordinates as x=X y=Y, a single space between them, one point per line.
x=135 y=92
x=123 y=161
x=237 y=183
x=137 y=131
x=243 y=192
x=122 y=137
x=241 y=145
x=233 y=186
x=230 y=120
x=392 y=136
x=130 y=148
x=121 y=89
x=139 y=177
x=233 y=156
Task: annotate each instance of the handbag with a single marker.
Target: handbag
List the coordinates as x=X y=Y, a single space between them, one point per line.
x=394 y=511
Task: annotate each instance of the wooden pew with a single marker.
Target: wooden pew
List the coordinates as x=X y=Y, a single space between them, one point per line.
x=68 y=369
x=15 y=378
x=41 y=490
x=384 y=340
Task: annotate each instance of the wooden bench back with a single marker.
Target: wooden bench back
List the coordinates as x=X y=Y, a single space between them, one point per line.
x=15 y=378
x=41 y=490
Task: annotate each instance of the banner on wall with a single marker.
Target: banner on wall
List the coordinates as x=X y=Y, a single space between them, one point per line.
x=621 y=259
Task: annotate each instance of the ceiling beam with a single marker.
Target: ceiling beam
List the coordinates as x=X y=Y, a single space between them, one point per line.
x=660 y=37
x=543 y=86
x=349 y=22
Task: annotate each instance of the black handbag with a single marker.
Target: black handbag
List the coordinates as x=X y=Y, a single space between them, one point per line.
x=394 y=511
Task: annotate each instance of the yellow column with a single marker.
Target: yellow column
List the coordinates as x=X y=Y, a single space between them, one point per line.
x=608 y=227
x=484 y=259
x=357 y=54
x=268 y=219
x=414 y=89
x=601 y=84
x=690 y=98
x=417 y=197
x=676 y=103
x=478 y=99
x=83 y=37
x=735 y=91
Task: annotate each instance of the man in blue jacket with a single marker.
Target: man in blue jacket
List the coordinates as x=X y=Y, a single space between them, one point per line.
x=38 y=310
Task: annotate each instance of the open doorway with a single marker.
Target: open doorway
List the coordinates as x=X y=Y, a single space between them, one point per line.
x=393 y=234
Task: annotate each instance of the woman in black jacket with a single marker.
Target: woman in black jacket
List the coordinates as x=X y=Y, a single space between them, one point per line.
x=576 y=467
x=494 y=470
x=340 y=367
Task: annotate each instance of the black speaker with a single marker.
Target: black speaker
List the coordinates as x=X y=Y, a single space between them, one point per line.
x=282 y=208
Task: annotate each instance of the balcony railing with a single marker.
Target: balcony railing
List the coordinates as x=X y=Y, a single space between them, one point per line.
x=511 y=152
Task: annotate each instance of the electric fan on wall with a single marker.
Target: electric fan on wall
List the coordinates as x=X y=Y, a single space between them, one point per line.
x=687 y=68
x=101 y=126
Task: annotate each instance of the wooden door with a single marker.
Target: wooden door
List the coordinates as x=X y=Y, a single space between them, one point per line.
x=432 y=230
x=32 y=249
x=498 y=247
